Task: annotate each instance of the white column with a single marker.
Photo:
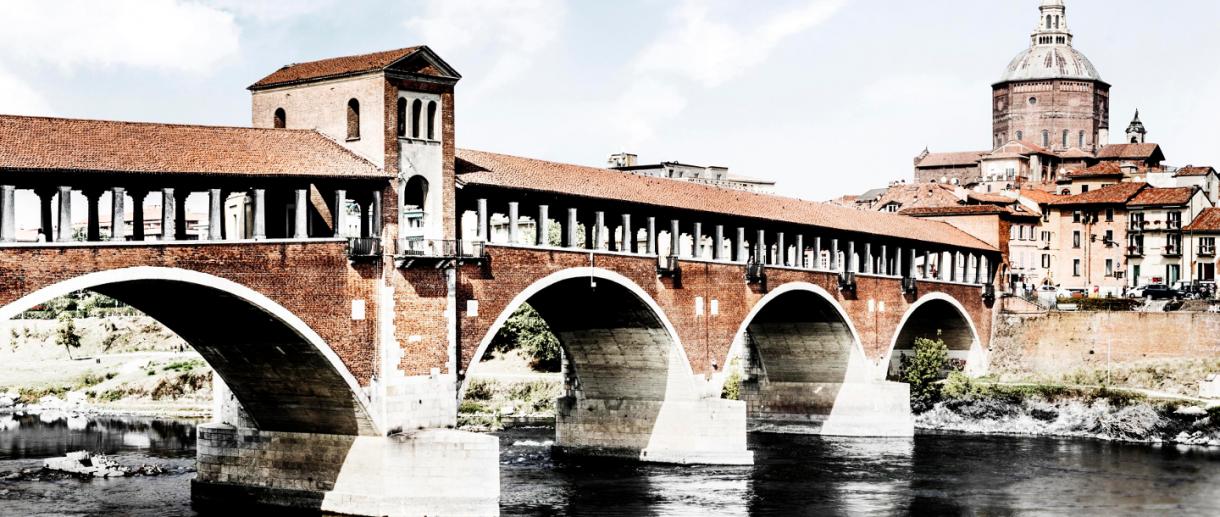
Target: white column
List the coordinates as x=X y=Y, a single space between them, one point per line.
x=215 y=211
x=543 y=227
x=868 y=258
x=260 y=213
x=800 y=251
x=696 y=241
x=570 y=231
x=781 y=249
x=65 y=215
x=167 y=214
x=743 y=251
x=853 y=265
x=718 y=243
x=301 y=215
x=375 y=208
x=599 y=230
x=817 y=253
x=8 y=213
x=118 y=214
x=652 y=236
x=483 y=220
x=628 y=235
x=513 y=214
x=675 y=235
x=760 y=246
x=885 y=261
x=834 y=255
x=340 y=215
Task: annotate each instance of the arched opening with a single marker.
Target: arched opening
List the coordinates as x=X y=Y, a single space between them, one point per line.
x=432 y=120
x=416 y=109
x=414 y=207
x=400 y=116
x=280 y=120
x=284 y=375
x=353 y=119
x=796 y=350
x=934 y=317
x=620 y=361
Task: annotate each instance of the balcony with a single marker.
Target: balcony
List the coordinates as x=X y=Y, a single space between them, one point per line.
x=1136 y=225
x=1172 y=251
x=438 y=253
x=1173 y=224
x=1135 y=251
x=363 y=248
x=1207 y=251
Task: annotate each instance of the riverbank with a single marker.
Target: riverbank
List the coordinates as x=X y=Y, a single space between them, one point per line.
x=1111 y=414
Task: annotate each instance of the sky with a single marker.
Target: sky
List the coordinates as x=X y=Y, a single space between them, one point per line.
x=826 y=97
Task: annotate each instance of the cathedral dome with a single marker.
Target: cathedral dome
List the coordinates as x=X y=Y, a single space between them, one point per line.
x=1050 y=62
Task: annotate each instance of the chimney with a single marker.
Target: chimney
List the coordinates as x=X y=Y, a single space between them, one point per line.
x=619 y=160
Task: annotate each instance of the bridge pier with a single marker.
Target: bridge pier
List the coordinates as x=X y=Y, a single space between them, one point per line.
x=426 y=472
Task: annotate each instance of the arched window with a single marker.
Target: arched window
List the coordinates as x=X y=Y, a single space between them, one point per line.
x=280 y=121
x=416 y=108
x=353 y=119
x=1081 y=146
x=1048 y=21
x=401 y=113
x=1056 y=21
x=431 y=120
x=1046 y=138
x=1020 y=135
x=414 y=205
x=1065 y=138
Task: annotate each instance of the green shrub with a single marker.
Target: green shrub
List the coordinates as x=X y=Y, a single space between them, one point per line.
x=923 y=368
x=732 y=385
x=65 y=334
x=480 y=389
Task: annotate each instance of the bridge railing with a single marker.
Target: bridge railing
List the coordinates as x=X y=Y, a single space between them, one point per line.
x=415 y=247
x=364 y=247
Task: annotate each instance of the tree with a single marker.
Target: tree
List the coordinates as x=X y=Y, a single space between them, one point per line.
x=922 y=369
x=65 y=334
x=526 y=330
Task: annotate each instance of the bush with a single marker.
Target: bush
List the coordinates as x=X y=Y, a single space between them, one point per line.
x=922 y=369
x=65 y=334
x=480 y=389
x=732 y=385
x=526 y=330
x=1103 y=304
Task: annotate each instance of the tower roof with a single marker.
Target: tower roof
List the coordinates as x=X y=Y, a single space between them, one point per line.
x=1050 y=54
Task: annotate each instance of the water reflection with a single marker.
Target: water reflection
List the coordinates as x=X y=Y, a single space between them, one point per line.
x=56 y=433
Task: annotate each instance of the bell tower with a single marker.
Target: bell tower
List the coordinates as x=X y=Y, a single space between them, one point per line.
x=1136 y=133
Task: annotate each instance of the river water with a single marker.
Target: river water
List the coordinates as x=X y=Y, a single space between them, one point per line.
x=793 y=475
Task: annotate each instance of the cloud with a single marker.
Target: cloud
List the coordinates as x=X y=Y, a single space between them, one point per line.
x=19 y=98
x=267 y=11
x=511 y=33
x=171 y=34
x=704 y=50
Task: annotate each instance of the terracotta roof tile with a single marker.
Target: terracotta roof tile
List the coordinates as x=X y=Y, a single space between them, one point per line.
x=1176 y=196
x=1101 y=170
x=1207 y=221
x=967 y=210
x=1118 y=193
x=1129 y=151
x=1191 y=170
x=994 y=199
x=42 y=143
x=1041 y=197
x=503 y=171
x=333 y=67
x=1075 y=153
x=951 y=159
x=913 y=195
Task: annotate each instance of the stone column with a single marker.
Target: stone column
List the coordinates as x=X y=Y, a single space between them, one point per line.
x=168 y=210
x=761 y=252
x=885 y=261
x=93 y=228
x=897 y=271
x=852 y=265
x=599 y=230
x=834 y=255
x=8 y=213
x=628 y=235
x=260 y=214
x=542 y=227
x=781 y=249
x=696 y=241
x=482 y=227
x=940 y=266
x=137 y=214
x=652 y=236
x=868 y=258
x=46 y=220
x=65 y=215
x=800 y=251
x=300 y=214
x=216 y=213
x=675 y=238
x=911 y=263
x=817 y=253
x=743 y=253
x=180 y=226
x=118 y=214
x=375 y=208
x=513 y=219
x=570 y=234
x=718 y=243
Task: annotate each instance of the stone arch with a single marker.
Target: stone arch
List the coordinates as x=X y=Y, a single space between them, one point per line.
x=646 y=325
x=801 y=348
x=933 y=313
x=282 y=372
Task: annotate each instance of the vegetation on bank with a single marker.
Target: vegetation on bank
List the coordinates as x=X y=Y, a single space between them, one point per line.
x=489 y=401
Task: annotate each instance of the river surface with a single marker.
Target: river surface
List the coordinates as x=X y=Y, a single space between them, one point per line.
x=793 y=475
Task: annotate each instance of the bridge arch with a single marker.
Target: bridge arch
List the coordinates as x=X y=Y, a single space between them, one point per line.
x=800 y=347
x=933 y=314
x=282 y=372
x=638 y=322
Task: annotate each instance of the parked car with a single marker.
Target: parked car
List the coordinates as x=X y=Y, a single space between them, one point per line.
x=1155 y=292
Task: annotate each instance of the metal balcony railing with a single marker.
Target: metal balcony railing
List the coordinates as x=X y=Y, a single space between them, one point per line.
x=1207 y=251
x=364 y=247
x=1135 y=251
x=442 y=248
x=1137 y=225
x=1171 y=251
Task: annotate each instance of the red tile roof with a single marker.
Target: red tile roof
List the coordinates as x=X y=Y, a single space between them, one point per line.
x=1207 y=221
x=1191 y=170
x=1101 y=170
x=42 y=144
x=1109 y=195
x=1130 y=151
x=967 y=210
x=1041 y=197
x=951 y=159
x=512 y=172
x=1075 y=153
x=910 y=195
x=333 y=67
x=994 y=199
x=1176 y=196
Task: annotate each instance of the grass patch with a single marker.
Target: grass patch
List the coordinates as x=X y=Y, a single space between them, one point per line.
x=960 y=387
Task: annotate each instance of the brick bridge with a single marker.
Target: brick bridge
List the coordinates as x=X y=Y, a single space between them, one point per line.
x=352 y=265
